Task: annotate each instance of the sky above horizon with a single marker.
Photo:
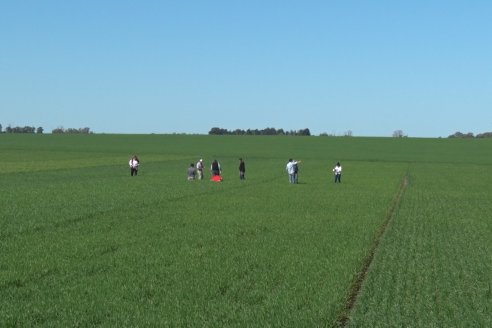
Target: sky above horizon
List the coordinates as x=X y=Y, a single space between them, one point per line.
x=370 y=67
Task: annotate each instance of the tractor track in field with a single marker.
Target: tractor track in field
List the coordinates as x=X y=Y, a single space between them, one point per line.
x=356 y=287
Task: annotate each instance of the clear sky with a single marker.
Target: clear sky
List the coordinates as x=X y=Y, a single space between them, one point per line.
x=371 y=67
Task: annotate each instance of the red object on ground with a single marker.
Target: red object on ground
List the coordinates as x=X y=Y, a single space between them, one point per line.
x=217 y=178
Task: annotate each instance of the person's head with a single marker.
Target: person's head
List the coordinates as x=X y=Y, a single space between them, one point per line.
x=240 y=159
x=290 y=159
x=338 y=163
x=192 y=165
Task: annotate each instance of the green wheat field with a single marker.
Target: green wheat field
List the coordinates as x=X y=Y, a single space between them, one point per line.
x=83 y=244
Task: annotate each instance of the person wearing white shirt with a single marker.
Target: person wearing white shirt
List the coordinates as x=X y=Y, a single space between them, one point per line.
x=134 y=163
x=199 y=169
x=292 y=170
x=338 y=173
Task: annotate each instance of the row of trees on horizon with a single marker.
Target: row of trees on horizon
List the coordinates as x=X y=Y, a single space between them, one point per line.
x=40 y=130
x=470 y=135
x=221 y=131
x=257 y=132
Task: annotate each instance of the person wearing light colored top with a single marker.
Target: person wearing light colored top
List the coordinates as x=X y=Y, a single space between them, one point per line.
x=134 y=164
x=292 y=170
x=338 y=173
x=199 y=169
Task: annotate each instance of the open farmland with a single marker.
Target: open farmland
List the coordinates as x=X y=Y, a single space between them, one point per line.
x=84 y=244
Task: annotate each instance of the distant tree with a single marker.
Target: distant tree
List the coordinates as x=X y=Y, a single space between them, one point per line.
x=216 y=131
x=40 y=130
x=269 y=132
x=398 y=134
x=20 y=129
x=58 y=130
x=348 y=133
x=484 y=135
x=461 y=135
x=61 y=130
x=304 y=132
x=1 y=128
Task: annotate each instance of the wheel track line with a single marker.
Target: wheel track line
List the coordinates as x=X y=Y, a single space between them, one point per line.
x=356 y=287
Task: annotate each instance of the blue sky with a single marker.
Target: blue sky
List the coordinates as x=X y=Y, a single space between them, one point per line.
x=371 y=67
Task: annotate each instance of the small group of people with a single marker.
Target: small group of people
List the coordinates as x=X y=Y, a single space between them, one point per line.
x=196 y=172
x=292 y=169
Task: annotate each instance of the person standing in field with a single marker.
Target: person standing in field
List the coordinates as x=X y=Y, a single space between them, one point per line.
x=191 y=172
x=296 y=172
x=215 y=168
x=242 y=169
x=134 y=164
x=199 y=169
x=292 y=171
x=337 y=170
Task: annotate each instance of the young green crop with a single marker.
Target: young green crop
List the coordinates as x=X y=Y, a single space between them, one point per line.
x=85 y=244
x=434 y=265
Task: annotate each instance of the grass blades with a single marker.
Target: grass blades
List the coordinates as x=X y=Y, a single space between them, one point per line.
x=84 y=244
x=434 y=265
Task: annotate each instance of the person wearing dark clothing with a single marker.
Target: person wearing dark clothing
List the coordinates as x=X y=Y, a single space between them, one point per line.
x=242 y=169
x=296 y=173
x=134 y=163
x=215 y=168
x=191 y=172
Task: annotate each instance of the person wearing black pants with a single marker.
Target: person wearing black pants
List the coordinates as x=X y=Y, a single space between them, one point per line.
x=134 y=163
x=242 y=169
x=338 y=173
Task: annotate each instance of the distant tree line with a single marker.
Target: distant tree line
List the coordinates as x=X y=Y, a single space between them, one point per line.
x=40 y=130
x=21 y=129
x=256 y=132
x=61 y=130
x=347 y=133
x=470 y=135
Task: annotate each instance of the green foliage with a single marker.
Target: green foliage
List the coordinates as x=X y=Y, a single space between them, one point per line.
x=84 y=244
x=434 y=265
